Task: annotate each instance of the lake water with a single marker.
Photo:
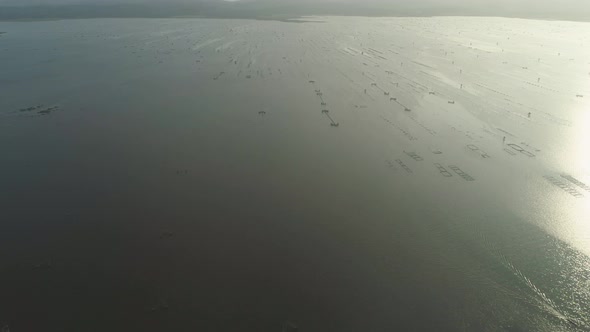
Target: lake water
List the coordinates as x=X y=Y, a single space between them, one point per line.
x=342 y=174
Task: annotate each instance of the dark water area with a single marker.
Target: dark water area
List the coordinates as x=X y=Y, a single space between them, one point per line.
x=184 y=175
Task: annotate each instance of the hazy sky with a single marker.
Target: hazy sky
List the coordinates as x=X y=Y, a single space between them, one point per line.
x=470 y=3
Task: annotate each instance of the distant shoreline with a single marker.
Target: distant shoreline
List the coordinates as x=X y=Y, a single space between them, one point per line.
x=294 y=19
x=256 y=11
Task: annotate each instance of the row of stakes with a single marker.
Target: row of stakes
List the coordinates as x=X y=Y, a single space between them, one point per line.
x=386 y=93
x=325 y=111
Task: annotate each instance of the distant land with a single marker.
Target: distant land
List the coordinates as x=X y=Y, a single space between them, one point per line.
x=273 y=10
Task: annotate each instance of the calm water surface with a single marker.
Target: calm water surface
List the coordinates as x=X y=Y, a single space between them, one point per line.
x=182 y=175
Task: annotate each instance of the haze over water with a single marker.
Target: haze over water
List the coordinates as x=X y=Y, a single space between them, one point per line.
x=342 y=174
